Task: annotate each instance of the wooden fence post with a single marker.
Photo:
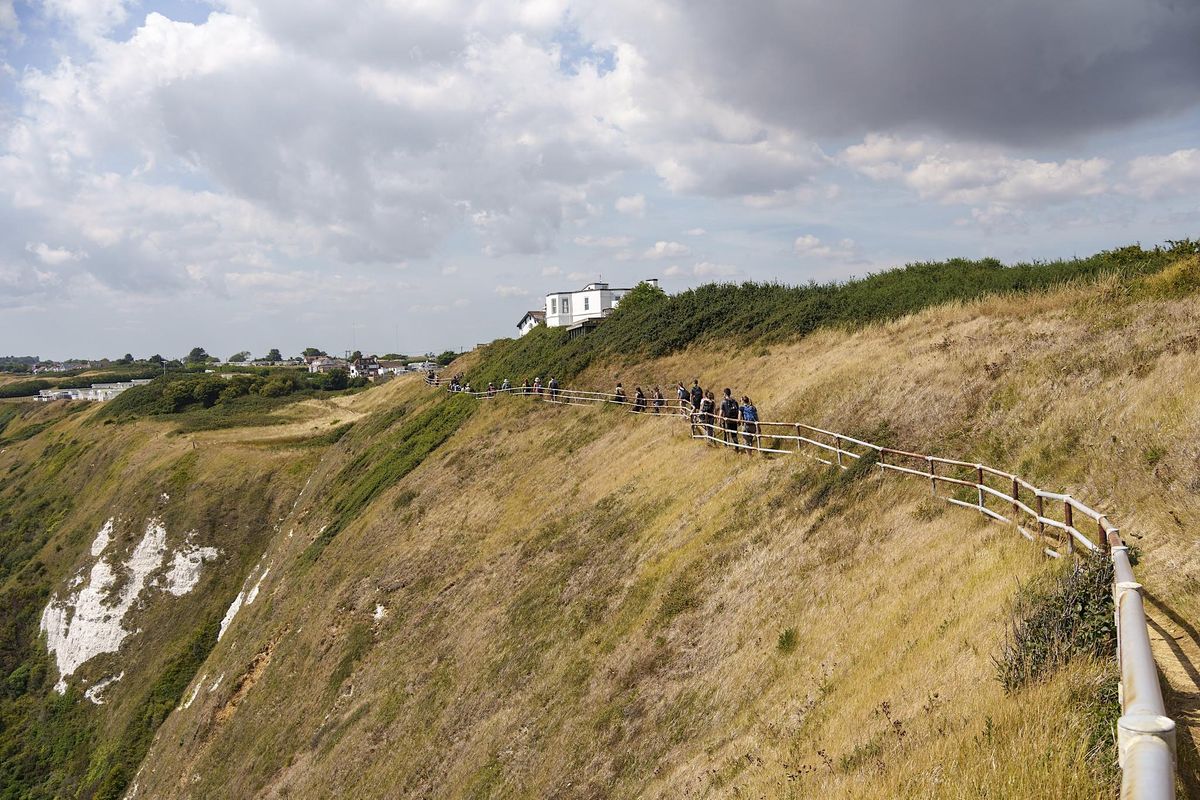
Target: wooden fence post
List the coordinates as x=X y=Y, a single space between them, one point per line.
x=1067 y=514
x=838 y=442
x=932 y=476
x=1041 y=512
x=979 y=482
x=1016 y=492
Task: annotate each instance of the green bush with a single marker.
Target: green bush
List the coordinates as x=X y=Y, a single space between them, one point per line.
x=1057 y=620
x=649 y=323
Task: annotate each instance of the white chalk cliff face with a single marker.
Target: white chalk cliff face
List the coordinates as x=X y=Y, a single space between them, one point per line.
x=90 y=620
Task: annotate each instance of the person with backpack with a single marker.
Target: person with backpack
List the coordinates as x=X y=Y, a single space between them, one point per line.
x=697 y=395
x=749 y=422
x=708 y=405
x=639 y=400
x=681 y=393
x=619 y=394
x=537 y=387
x=553 y=390
x=659 y=401
x=731 y=412
x=491 y=389
x=504 y=387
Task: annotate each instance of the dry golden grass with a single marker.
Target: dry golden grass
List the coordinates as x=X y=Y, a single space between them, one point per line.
x=585 y=603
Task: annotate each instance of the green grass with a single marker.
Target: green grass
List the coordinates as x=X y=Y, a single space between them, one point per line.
x=650 y=324
x=389 y=458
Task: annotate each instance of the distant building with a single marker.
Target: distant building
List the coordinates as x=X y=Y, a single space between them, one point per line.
x=327 y=364
x=365 y=368
x=582 y=309
x=98 y=392
x=530 y=321
x=391 y=367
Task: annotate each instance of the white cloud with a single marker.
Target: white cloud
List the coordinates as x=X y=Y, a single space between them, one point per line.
x=548 y=271
x=8 y=19
x=511 y=291
x=809 y=246
x=707 y=269
x=674 y=271
x=53 y=256
x=450 y=270
x=666 y=250
x=88 y=18
x=634 y=205
x=1155 y=176
x=884 y=157
x=602 y=241
x=695 y=232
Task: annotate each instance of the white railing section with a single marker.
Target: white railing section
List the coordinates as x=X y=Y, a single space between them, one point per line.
x=1145 y=735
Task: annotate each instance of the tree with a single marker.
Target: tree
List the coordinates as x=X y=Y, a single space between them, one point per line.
x=127 y=358
x=356 y=356
x=239 y=358
x=446 y=357
x=274 y=355
x=155 y=359
x=197 y=355
x=337 y=379
x=312 y=352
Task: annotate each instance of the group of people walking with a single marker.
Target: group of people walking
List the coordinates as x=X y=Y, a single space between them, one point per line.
x=720 y=421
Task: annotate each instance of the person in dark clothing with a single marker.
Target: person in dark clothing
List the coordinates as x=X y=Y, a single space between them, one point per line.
x=681 y=393
x=659 y=401
x=697 y=395
x=639 y=400
x=708 y=405
x=749 y=422
x=525 y=386
x=553 y=390
x=731 y=412
x=619 y=394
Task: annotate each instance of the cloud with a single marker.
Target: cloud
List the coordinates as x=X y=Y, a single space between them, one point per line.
x=511 y=291
x=548 y=271
x=707 y=269
x=603 y=241
x=695 y=232
x=450 y=270
x=88 y=19
x=666 y=250
x=634 y=205
x=1162 y=175
x=9 y=24
x=53 y=256
x=809 y=246
x=1022 y=71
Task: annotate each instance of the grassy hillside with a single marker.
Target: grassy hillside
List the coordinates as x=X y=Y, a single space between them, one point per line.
x=585 y=603
x=429 y=596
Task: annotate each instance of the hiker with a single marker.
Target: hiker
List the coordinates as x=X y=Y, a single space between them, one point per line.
x=749 y=422
x=619 y=394
x=639 y=400
x=491 y=389
x=681 y=393
x=697 y=395
x=468 y=389
x=537 y=386
x=705 y=415
x=553 y=390
x=730 y=413
x=659 y=401
x=504 y=387
x=525 y=386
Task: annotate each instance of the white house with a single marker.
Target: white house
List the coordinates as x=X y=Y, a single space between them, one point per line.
x=530 y=321
x=326 y=364
x=593 y=301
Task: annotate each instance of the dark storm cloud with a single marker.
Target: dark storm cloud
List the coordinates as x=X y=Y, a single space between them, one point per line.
x=1012 y=71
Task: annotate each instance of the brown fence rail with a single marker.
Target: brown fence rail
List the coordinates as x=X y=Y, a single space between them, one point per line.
x=1145 y=735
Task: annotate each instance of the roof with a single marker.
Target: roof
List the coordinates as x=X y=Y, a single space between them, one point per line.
x=539 y=316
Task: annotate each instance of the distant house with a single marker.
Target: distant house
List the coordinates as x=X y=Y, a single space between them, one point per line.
x=422 y=366
x=582 y=309
x=530 y=321
x=365 y=368
x=99 y=392
x=391 y=367
x=326 y=364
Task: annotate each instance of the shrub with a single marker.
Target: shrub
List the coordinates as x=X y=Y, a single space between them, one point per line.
x=1056 y=620
x=788 y=640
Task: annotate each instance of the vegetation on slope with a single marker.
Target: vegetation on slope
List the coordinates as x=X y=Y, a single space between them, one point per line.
x=650 y=324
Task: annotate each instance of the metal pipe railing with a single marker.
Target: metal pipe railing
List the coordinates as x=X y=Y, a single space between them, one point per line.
x=1145 y=734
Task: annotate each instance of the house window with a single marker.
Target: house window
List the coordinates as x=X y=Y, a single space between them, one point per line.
x=553 y=306
x=585 y=304
x=566 y=306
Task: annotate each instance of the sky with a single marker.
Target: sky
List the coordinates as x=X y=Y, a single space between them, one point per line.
x=413 y=175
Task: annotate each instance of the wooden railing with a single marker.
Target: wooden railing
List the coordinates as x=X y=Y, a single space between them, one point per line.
x=1145 y=734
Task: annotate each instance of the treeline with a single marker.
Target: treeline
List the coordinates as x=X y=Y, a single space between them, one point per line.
x=650 y=323
x=177 y=392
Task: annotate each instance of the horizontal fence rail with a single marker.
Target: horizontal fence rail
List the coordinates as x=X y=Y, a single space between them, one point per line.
x=1145 y=734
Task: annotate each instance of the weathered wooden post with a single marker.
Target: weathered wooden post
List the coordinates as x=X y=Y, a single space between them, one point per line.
x=932 y=475
x=1041 y=512
x=1067 y=515
x=1016 y=493
x=979 y=482
x=838 y=441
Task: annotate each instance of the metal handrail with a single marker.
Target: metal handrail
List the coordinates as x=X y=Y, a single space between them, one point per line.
x=1145 y=734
